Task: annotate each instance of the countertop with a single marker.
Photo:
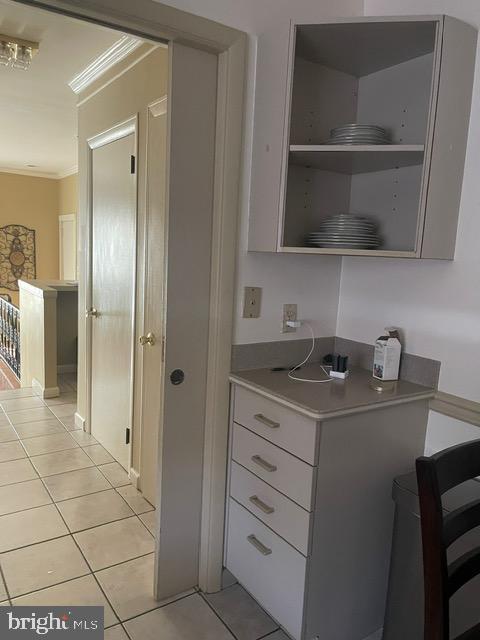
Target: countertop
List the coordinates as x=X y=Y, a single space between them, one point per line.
x=330 y=399
x=47 y=288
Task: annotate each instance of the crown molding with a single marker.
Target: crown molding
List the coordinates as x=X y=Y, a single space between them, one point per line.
x=128 y=63
x=159 y=107
x=31 y=173
x=118 y=51
x=67 y=172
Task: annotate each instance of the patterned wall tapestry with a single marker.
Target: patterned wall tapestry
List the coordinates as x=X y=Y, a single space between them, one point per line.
x=17 y=255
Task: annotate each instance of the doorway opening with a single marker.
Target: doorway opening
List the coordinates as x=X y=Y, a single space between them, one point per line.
x=205 y=98
x=70 y=505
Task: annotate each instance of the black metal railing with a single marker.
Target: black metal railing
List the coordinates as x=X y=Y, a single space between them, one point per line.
x=10 y=335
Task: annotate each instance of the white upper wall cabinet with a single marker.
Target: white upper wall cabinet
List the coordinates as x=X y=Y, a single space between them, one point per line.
x=411 y=76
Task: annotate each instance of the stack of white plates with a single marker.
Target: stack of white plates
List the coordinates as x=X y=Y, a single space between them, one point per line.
x=358 y=134
x=345 y=231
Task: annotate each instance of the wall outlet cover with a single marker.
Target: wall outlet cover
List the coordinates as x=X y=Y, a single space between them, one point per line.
x=289 y=315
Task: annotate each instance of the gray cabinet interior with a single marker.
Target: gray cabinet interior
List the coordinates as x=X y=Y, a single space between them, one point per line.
x=412 y=77
x=334 y=84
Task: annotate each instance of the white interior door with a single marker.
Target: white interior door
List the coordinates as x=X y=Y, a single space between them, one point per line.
x=154 y=303
x=113 y=245
x=67 y=234
x=192 y=99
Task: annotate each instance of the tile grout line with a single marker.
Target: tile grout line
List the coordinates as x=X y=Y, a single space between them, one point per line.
x=104 y=464
x=117 y=564
x=74 y=533
x=29 y=455
x=52 y=475
x=271 y=632
x=125 y=631
x=35 y=544
x=2 y=577
x=32 y=422
x=202 y=595
x=52 y=500
x=55 y=584
x=160 y=606
x=137 y=514
x=90 y=568
x=71 y=534
x=237 y=584
x=78 y=546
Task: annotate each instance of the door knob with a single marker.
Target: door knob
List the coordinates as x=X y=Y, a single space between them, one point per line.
x=148 y=339
x=91 y=313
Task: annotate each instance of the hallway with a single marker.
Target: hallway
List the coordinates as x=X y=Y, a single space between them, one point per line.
x=73 y=531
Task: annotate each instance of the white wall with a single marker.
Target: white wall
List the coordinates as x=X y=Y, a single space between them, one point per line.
x=310 y=281
x=436 y=303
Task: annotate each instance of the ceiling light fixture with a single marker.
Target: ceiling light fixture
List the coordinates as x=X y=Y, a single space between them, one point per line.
x=17 y=53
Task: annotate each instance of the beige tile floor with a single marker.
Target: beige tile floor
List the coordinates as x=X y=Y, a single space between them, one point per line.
x=73 y=530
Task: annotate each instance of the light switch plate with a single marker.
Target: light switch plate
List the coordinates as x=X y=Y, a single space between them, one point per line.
x=252 y=299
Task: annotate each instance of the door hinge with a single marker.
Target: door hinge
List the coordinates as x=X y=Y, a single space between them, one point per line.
x=127 y=435
x=132 y=164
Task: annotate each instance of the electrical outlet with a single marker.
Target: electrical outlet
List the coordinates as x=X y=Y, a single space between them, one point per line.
x=289 y=315
x=251 y=302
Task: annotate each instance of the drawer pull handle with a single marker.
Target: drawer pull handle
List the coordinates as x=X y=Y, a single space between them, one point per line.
x=265 y=551
x=261 y=505
x=263 y=463
x=259 y=417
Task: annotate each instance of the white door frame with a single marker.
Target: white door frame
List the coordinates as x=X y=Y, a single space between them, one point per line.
x=155 y=109
x=149 y=19
x=116 y=132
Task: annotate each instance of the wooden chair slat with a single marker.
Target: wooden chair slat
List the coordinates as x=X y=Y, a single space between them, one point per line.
x=463 y=570
x=457 y=464
x=460 y=521
x=471 y=634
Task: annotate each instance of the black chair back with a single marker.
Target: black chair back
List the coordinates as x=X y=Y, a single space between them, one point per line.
x=436 y=475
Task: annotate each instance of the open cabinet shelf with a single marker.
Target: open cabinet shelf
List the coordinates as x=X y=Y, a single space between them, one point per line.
x=412 y=77
x=372 y=253
x=352 y=159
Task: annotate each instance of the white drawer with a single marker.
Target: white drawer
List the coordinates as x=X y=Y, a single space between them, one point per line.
x=281 y=514
x=285 y=428
x=276 y=467
x=276 y=580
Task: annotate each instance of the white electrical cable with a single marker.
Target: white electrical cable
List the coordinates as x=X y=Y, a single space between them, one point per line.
x=292 y=371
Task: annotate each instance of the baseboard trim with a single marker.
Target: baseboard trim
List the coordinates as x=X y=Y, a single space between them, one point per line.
x=134 y=477
x=44 y=392
x=66 y=368
x=79 y=421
